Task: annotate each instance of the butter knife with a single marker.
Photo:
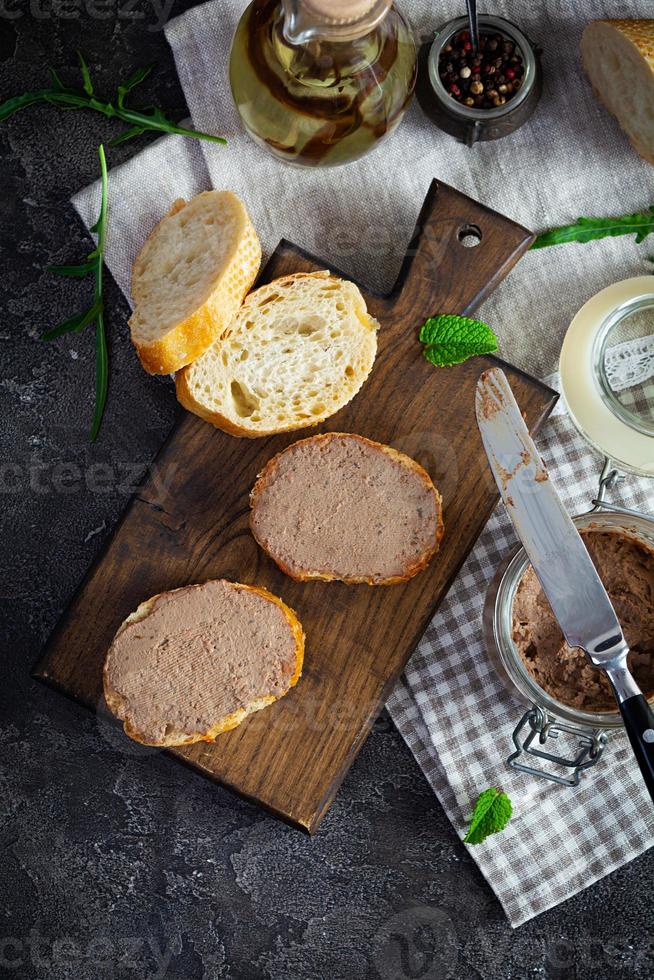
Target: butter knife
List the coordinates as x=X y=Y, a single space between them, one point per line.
x=559 y=557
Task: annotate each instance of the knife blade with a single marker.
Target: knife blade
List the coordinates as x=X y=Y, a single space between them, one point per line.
x=552 y=542
x=559 y=557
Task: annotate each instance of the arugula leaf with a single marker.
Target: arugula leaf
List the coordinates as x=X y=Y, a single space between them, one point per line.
x=451 y=339
x=101 y=375
x=74 y=324
x=491 y=814
x=139 y=75
x=18 y=102
x=56 y=81
x=78 y=271
x=589 y=229
x=95 y=313
x=127 y=135
x=86 y=74
x=139 y=120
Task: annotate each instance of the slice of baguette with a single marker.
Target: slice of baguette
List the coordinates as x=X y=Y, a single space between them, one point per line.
x=341 y=507
x=297 y=351
x=618 y=57
x=190 y=278
x=190 y=664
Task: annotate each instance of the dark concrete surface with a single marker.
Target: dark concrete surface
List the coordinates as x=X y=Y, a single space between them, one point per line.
x=119 y=863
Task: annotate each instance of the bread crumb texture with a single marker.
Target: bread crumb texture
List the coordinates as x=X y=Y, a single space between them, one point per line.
x=298 y=350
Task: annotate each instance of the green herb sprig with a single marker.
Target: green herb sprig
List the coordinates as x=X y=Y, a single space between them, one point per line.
x=589 y=229
x=92 y=265
x=138 y=120
x=451 y=339
x=491 y=814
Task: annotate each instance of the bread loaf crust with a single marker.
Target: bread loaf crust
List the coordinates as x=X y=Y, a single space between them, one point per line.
x=193 y=335
x=639 y=34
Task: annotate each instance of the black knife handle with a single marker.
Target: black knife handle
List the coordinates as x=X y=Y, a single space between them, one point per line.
x=639 y=722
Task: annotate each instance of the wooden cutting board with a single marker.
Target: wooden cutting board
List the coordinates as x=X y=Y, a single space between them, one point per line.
x=292 y=757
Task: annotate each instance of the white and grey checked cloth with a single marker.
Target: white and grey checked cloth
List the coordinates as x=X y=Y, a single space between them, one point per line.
x=569 y=159
x=457 y=717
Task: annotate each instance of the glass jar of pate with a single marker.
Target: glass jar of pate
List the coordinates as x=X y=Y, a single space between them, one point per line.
x=546 y=720
x=607 y=382
x=471 y=125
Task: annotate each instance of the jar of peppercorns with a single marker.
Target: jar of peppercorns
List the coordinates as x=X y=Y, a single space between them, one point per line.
x=483 y=94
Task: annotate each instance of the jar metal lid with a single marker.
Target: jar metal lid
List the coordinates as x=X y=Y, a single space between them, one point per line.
x=599 y=416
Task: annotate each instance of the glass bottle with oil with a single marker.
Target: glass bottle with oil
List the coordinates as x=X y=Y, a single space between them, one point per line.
x=321 y=82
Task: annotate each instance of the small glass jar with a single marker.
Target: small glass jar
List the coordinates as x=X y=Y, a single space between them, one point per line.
x=620 y=427
x=547 y=719
x=472 y=125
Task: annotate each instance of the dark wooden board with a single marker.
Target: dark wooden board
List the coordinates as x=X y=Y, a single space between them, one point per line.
x=292 y=756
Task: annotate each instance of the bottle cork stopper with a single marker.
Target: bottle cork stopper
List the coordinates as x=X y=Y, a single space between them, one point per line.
x=340 y=11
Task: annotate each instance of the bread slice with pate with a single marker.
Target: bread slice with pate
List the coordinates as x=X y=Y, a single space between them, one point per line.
x=190 y=279
x=190 y=664
x=341 y=507
x=298 y=350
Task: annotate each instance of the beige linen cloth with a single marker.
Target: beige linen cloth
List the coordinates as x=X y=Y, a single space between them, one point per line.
x=570 y=159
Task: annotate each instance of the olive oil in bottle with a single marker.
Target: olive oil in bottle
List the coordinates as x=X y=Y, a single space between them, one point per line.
x=321 y=82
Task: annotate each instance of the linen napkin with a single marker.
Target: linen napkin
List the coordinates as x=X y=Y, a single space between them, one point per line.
x=457 y=717
x=569 y=159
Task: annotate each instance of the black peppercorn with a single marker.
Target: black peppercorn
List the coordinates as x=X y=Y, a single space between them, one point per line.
x=485 y=79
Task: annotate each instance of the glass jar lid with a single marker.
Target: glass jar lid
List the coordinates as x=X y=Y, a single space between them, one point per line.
x=607 y=373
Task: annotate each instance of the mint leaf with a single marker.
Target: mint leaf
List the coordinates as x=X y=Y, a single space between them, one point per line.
x=491 y=814
x=451 y=339
x=588 y=229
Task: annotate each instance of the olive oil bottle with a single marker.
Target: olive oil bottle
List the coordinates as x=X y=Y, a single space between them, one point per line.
x=321 y=82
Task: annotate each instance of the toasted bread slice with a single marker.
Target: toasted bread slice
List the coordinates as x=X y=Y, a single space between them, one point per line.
x=195 y=662
x=618 y=57
x=298 y=350
x=190 y=278
x=341 y=507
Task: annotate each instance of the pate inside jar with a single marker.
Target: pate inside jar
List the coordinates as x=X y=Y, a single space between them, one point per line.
x=531 y=685
x=626 y=567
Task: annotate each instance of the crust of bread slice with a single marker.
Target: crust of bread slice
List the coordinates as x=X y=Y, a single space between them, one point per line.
x=119 y=706
x=420 y=561
x=618 y=58
x=299 y=349
x=190 y=279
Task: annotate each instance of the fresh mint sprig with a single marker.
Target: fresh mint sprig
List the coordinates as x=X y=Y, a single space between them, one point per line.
x=138 y=120
x=92 y=265
x=589 y=229
x=491 y=814
x=451 y=339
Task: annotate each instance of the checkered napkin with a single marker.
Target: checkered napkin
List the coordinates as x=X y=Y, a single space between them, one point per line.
x=450 y=707
x=457 y=718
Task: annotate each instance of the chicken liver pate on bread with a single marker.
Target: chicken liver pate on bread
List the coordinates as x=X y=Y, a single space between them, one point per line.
x=195 y=662
x=341 y=507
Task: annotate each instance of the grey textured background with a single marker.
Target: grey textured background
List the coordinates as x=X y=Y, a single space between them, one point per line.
x=117 y=862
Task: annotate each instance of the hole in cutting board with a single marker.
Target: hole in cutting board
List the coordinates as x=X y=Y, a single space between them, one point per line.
x=469 y=235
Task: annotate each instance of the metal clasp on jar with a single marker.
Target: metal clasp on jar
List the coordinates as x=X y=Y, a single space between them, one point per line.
x=543 y=726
